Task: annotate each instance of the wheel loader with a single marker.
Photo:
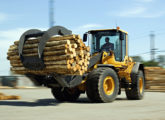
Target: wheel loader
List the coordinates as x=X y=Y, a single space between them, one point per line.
x=110 y=68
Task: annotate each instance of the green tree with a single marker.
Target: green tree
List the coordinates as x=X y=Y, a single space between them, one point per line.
x=137 y=58
x=151 y=64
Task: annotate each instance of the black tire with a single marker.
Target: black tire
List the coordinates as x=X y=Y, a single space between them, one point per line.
x=94 y=85
x=66 y=94
x=136 y=92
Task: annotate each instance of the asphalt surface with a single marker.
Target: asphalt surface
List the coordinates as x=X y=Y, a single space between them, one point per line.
x=39 y=104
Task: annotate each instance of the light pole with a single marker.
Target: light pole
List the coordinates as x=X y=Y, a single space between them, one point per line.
x=152 y=46
x=51 y=13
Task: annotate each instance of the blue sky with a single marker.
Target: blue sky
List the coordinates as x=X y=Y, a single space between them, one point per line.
x=138 y=17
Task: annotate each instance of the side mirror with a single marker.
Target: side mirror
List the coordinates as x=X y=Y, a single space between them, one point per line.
x=85 y=37
x=122 y=36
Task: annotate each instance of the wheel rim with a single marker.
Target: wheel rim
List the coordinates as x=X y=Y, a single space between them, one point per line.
x=108 y=85
x=141 y=84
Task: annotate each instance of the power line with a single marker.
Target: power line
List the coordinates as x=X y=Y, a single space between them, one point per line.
x=144 y=36
x=148 y=53
x=160 y=51
x=141 y=54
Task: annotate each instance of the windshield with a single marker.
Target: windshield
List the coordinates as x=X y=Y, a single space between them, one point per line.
x=106 y=41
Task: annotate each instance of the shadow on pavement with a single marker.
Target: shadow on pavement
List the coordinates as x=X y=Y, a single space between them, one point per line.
x=118 y=99
x=87 y=101
x=39 y=102
x=47 y=102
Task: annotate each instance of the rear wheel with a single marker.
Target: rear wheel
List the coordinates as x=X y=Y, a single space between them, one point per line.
x=102 y=85
x=66 y=94
x=137 y=90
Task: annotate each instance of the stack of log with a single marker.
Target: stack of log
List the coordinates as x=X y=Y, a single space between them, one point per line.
x=62 y=54
x=155 y=78
x=8 y=97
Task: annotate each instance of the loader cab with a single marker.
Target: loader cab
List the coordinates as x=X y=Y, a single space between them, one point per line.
x=106 y=40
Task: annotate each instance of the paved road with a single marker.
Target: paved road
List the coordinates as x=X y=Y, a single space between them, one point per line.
x=38 y=104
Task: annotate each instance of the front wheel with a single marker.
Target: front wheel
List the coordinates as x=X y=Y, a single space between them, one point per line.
x=136 y=92
x=102 y=85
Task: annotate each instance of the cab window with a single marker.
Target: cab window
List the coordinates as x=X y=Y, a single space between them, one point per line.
x=106 y=41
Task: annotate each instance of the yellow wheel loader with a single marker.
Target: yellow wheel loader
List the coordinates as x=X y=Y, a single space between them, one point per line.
x=110 y=69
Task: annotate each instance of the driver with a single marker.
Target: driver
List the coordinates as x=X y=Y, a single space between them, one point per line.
x=107 y=46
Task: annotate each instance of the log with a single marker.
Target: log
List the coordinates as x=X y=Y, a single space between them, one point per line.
x=155 y=78
x=77 y=41
x=71 y=61
x=73 y=73
x=50 y=53
x=157 y=87
x=79 y=52
x=12 y=97
x=35 y=50
x=47 y=62
x=87 y=48
x=49 y=72
x=62 y=62
x=58 y=47
x=54 y=67
x=74 y=45
x=48 y=44
x=22 y=70
x=47 y=58
x=29 y=41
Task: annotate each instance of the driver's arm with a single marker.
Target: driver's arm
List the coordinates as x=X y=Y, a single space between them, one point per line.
x=112 y=46
x=102 y=47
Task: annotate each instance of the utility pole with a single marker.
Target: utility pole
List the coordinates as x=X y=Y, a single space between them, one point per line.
x=152 y=46
x=51 y=13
